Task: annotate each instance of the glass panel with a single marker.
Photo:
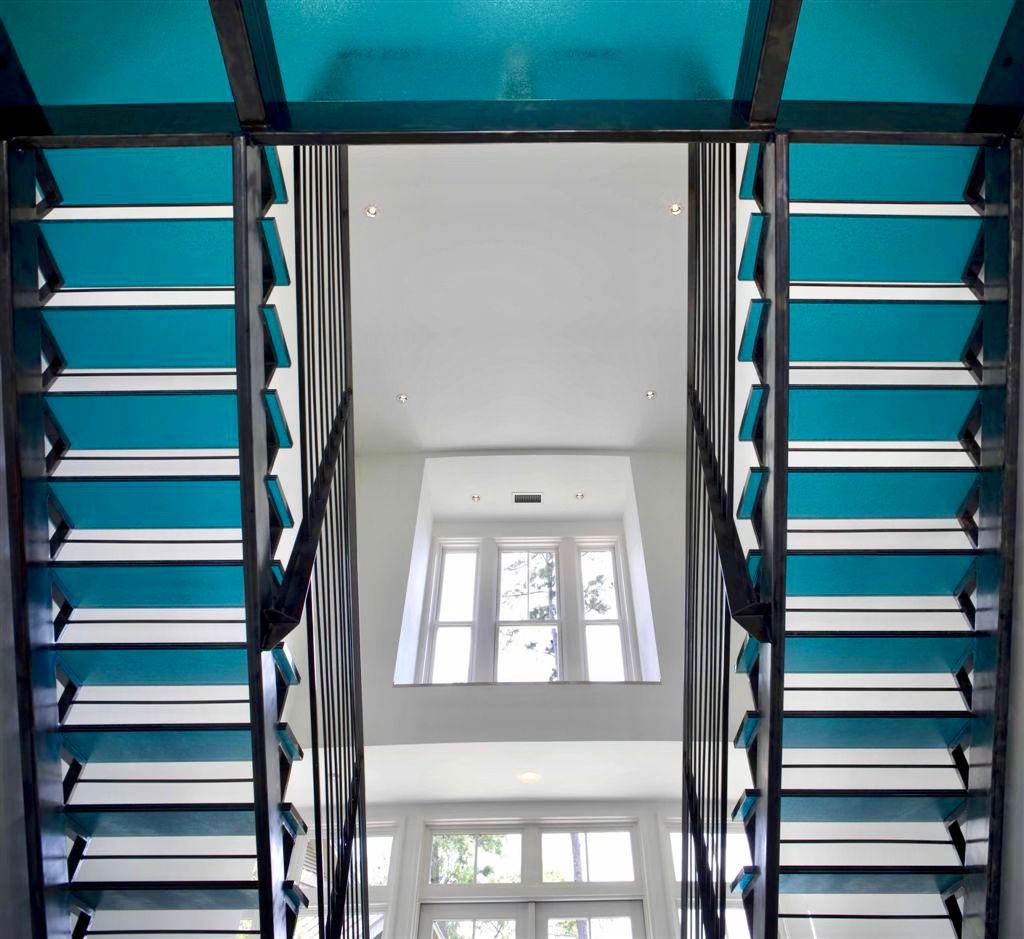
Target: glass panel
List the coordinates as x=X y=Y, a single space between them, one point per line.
x=598 y=577
x=597 y=927
x=494 y=929
x=452 y=929
x=528 y=587
x=543 y=588
x=453 y=859
x=458 y=50
x=676 y=840
x=83 y=52
x=451 y=655
x=610 y=855
x=564 y=857
x=514 y=589
x=458 y=587
x=499 y=859
x=604 y=652
x=378 y=859
x=880 y=50
x=528 y=653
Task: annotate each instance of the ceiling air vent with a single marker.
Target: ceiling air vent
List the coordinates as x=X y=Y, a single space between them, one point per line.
x=527 y=498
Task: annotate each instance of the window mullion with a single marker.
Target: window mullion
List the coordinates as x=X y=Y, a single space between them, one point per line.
x=571 y=599
x=484 y=627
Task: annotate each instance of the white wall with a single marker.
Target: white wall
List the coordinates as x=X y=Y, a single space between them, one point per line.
x=388 y=491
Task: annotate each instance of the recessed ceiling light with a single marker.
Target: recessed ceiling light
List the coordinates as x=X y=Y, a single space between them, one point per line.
x=475 y=497
x=650 y=395
x=579 y=496
x=675 y=208
x=529 y=777
x=402 y=399
x=371 y=211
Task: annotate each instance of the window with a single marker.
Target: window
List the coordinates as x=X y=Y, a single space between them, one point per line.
x=455 y=613
x=473 y=929
x=528 y=615
x=483 y=858
x=587 y=857
x=528 y=611
x=599 y=586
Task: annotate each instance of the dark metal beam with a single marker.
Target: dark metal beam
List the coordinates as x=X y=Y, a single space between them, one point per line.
x=1000 y=102
x=379 y=123
x=1003 y=230
x=764 y=59
x=247 y=45
x=771 y=662
x=25 y=594
x=247 y=168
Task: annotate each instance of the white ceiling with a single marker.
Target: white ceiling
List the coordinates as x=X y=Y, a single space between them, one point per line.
x=449 y=483
x=524 y=296
x=461 y=772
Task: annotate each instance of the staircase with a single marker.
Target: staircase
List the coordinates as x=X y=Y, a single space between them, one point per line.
x=145 y=500
x=897 y=337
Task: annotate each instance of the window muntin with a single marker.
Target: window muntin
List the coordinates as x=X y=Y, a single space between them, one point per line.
x=587 y=857
x=476 y=858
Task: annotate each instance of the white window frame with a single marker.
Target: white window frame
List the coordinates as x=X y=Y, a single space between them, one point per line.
x=572 y=658
x=530 y=916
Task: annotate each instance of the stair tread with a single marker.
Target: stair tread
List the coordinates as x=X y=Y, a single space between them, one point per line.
x=117 y=176
x=840 y=879
x=921 y=249
x=151 y=253
x=888 y=652
x=163 y=586
x=156 y=743
x=828 y=730
x=162 y=663
x=837 y=172
x=213 y=819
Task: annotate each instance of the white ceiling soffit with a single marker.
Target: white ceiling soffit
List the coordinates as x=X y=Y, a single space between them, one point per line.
x=606 y=483
x=462 y=772
x=523 y=296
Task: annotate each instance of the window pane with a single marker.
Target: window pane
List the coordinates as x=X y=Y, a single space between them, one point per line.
x=564 y=857
x=528 y=653
x=610 y=855
x=528 y=587
x=604 y=652
x=451 y=655
x=453 y=860
x=597 y=927
x=458 y=587
x=676 y=839
x=378 y=859
x=598 y=577
x=543 y=587
x=495 y=929
x=499 y=859
x=452 y=929
x=611 y=927
x=514 y=589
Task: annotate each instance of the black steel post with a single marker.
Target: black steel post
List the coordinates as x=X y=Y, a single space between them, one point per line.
x=256 y=554
x=764 y=59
